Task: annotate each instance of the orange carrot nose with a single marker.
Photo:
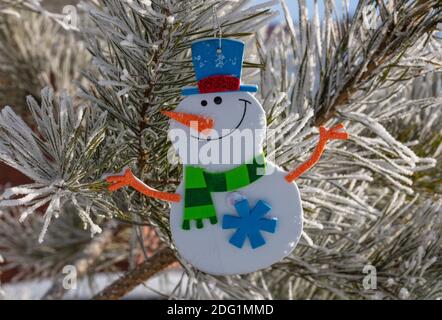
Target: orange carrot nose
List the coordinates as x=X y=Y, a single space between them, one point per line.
x=193 y=121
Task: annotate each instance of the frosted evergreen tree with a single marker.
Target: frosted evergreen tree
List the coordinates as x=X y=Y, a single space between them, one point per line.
x=372 y=200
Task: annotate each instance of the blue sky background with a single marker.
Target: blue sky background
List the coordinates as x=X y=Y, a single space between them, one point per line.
x=293 y=6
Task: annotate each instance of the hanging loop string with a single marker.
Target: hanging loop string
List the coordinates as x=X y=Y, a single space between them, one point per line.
x=217 y=27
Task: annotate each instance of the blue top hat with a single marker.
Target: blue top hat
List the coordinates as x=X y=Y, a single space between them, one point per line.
x=218 y=66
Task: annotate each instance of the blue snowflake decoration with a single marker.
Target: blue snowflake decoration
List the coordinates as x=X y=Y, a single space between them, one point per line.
x=249 y=223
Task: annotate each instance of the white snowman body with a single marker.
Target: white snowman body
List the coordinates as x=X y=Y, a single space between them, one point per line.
x=208 y=248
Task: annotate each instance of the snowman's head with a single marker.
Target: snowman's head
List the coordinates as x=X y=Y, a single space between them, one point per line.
x=218 y=131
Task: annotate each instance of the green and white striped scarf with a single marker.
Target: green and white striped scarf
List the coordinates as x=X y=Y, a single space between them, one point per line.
x=199 y=184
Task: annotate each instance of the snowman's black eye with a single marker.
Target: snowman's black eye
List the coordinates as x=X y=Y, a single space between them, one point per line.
x=218 y=100
x=204 y=103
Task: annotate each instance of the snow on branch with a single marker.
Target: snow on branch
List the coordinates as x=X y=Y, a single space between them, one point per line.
x=340 y=60
x=59 y=156
x=67 y=19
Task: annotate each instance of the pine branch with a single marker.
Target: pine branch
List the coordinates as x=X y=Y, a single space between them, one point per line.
x=64 y=244
x=390 y=42
x=155 y=264
x=149 y=98
x=60 y=157
x=17 y=7
x=34 y=53
x=84 y=263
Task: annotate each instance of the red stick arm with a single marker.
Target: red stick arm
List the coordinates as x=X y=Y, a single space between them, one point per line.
x=140 y=186
x=324 y=136
x=128 y=179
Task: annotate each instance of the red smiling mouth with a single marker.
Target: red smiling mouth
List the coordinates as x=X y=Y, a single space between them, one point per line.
x=233 y=130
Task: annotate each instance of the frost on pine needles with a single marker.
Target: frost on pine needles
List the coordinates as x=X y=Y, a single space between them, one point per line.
x=58 y=155
x=371 y=200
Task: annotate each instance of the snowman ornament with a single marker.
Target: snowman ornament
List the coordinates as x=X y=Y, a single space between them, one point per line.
x=240 y=212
